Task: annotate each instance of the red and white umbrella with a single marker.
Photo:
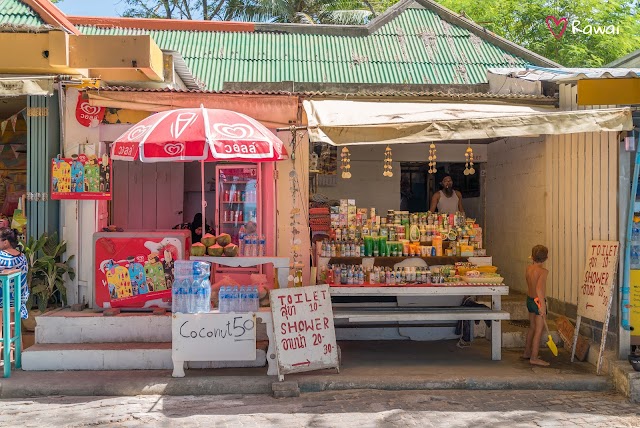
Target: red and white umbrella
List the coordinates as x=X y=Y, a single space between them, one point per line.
x=199 y=134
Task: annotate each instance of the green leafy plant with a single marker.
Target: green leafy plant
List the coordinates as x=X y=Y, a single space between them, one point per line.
x=47 y=269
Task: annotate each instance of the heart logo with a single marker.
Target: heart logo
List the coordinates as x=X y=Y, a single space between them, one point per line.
x=174 y=149
x=89 y=109
x=236 y=131
x=137 y=132
x=562 y=22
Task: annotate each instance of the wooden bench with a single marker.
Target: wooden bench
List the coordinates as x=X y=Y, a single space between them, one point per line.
x=389 y=313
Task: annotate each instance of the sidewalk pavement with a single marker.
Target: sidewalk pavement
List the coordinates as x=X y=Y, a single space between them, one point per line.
x=383 y=365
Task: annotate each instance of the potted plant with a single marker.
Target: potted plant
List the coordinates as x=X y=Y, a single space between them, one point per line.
x=46 y=272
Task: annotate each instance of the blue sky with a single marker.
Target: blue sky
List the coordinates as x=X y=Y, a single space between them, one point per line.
x=92 y=7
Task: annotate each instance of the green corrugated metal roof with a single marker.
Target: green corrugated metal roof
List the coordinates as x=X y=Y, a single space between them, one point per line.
x=416 y=47
x=15 y=12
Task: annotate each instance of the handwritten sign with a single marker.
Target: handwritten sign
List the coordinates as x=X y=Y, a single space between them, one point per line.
x=304 y=331
x=213 y=337
x=597 y=283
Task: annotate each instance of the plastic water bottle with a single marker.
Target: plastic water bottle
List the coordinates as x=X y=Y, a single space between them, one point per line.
x=175 y=298
x=241 y=235
x=262 y=250
x=256 y=299
x=222 y=300
x=254 y=245
x=235 y=297
x=204 y=293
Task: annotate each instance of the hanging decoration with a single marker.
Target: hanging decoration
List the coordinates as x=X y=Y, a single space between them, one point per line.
x=469 y=169
x=14 y=120
x=294 y=223
x=432 y=158
x=3 y=126
x=387 y=162
x=346 y=163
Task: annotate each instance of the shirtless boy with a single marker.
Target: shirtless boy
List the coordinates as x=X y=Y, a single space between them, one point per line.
x=536 y=276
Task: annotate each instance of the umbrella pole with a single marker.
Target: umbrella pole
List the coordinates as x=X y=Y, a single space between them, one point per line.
x=204 y=201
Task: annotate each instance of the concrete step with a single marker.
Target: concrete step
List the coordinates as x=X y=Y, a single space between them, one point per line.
x=514 y=334
x=89 y=326
x=515 y=307
x=118 y=356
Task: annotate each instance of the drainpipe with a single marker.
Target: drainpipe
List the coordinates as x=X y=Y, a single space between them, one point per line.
x=625 y=304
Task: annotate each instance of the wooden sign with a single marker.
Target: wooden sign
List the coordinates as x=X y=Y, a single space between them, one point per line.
x=597 y=282
x=212 y=337
x=596 y=288
x=304 y=331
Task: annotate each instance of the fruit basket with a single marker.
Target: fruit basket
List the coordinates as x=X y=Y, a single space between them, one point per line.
x=483 y=279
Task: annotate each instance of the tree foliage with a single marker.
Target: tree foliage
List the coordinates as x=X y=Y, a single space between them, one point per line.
x=299 y=11
x=523 y=22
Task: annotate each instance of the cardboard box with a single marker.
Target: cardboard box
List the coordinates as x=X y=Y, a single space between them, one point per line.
x=351 y=202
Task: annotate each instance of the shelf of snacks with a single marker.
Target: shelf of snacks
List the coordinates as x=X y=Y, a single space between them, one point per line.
x=359 y=275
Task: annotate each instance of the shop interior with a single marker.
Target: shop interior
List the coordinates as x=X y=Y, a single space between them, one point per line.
x=13 y=157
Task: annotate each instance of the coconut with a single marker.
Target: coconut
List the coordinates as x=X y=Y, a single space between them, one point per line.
x=224 y=239
x=198 y=249
x=208 y=240
x=231 y=250
x=215 y=250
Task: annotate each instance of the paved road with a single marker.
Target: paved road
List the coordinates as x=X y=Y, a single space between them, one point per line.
x=364 y=408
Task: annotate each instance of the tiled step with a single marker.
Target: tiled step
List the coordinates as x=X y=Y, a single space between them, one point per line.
x=118 y=356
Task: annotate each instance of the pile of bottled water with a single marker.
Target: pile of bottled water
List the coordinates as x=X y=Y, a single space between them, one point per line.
x=242 y=299
x=191 y=290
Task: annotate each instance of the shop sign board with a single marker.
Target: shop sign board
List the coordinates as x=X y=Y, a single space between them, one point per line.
x=81 y=177
x=597 y=283
x=304 y=330
x=213 y=337
x=596 y=288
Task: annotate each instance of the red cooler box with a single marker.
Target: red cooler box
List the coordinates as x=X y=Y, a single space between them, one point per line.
x=135 y=269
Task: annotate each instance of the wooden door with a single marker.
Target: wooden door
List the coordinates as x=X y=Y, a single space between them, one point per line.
x=147 y=196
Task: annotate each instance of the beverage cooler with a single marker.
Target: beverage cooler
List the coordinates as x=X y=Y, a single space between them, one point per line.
x=245 y=209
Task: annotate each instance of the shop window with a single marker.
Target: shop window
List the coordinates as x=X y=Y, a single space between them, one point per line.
x=417 y=186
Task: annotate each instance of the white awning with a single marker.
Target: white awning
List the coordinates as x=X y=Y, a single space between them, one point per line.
x=16 y=87
x=343 y=123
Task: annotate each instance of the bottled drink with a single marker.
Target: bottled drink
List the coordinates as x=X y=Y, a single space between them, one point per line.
x=222 y=299
x=205 y=296
x=263 y=246
x=175 y=297
x=256 y=299
x=241 y=233
x=235 y=299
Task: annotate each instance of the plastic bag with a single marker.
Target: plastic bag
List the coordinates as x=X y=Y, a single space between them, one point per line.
x=19 y=221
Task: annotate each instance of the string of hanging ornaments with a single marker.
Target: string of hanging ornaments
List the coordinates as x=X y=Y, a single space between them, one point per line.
x=346 y=163
x=468 y=155
x=432 y=159
x=387 y=163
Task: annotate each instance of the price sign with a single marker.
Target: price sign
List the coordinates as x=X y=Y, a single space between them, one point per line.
x=596 y=289
x=213 y=337
x=597 y=282
x=304 y=331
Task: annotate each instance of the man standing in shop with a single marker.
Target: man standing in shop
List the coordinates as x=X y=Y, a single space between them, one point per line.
x=447 y=200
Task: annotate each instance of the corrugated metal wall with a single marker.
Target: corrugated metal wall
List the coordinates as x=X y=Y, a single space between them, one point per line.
x=43 y=144
x=582 y=192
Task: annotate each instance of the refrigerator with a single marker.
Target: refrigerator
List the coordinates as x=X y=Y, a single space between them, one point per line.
x=245 y=203
x=134 y=270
